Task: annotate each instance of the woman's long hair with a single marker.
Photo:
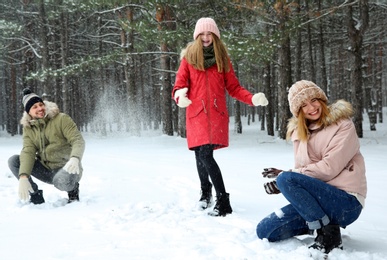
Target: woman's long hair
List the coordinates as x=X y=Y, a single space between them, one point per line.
x=302 y=123
x=194 y=54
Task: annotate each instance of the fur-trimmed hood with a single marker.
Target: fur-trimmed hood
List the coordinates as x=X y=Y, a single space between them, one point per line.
x=339 y=110
x=52 y=110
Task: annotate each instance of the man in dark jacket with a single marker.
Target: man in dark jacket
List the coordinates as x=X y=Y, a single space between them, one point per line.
x=52 y=150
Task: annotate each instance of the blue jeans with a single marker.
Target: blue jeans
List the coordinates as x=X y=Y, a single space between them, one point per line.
x=313 y=204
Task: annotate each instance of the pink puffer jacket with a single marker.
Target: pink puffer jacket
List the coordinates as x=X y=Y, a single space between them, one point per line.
x=332 y=154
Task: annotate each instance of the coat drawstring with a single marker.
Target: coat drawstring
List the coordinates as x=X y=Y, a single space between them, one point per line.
x=204 y=107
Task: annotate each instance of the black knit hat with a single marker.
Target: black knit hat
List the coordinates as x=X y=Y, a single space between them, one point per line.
x=29 y=99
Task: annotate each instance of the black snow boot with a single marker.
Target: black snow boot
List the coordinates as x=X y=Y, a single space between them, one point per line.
x=205 y=200
x=222 y=206
x=37 y=197
x=328 y=238
x=74 y=194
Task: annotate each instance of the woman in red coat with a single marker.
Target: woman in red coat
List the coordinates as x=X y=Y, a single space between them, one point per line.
x=204 y=76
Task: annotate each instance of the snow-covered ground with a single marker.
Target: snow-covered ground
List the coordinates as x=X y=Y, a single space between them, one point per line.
x=138 y=201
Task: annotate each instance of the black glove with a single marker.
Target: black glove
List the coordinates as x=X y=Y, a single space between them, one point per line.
x=271 y=187
x=271 y=172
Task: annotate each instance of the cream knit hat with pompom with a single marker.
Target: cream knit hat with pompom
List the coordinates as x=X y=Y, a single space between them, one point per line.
x=300 y=92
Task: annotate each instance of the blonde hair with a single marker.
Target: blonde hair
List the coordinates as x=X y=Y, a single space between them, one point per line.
x=302 y=123
x=194 y=54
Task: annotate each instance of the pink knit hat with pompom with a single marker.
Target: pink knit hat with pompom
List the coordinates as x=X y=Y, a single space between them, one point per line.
x=206 y=25
x=300 y=92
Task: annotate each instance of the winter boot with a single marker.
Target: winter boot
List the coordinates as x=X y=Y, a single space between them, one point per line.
x=328 y=238
x=205 y=200
x=74 y=194
x=222 y=206
x=37 y=197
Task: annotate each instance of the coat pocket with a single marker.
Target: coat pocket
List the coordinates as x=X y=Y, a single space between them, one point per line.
x=220 y=107
x=196 y=108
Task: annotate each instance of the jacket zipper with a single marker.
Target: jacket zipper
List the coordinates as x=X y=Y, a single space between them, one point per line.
x=42 y=128
x=209 y=110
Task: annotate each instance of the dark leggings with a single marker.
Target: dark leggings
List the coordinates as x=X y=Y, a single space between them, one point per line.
x=208 y=168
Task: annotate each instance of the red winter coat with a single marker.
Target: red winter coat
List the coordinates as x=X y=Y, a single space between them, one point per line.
x=207 y=117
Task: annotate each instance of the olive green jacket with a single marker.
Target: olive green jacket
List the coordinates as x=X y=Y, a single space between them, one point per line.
x=52 y=140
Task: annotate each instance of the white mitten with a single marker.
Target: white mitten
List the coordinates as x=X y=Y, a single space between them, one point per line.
x=24 y=188
x=72 y=166
x=181 y=98
x=259 y=99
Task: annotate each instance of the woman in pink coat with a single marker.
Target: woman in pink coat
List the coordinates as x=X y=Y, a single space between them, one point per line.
x=204 y=76
x=327 y=187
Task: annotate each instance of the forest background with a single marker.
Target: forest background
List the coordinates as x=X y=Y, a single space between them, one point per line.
x=111 y=64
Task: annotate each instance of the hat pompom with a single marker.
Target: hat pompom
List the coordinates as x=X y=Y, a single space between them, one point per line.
x=26 y=91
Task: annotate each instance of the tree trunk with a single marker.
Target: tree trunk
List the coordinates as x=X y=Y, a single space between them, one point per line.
x=324 y=77
x=284 y=74
x=378 y=83
x=355 y=33
x=12 y=102
x=271 y=98
x=298 y=49
x=44 y=43
x=133 y=123
x=165 y=17
x=237 y=117
x=237 y=109
x=369 y=83
x=312 y=69
x=63 y=48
